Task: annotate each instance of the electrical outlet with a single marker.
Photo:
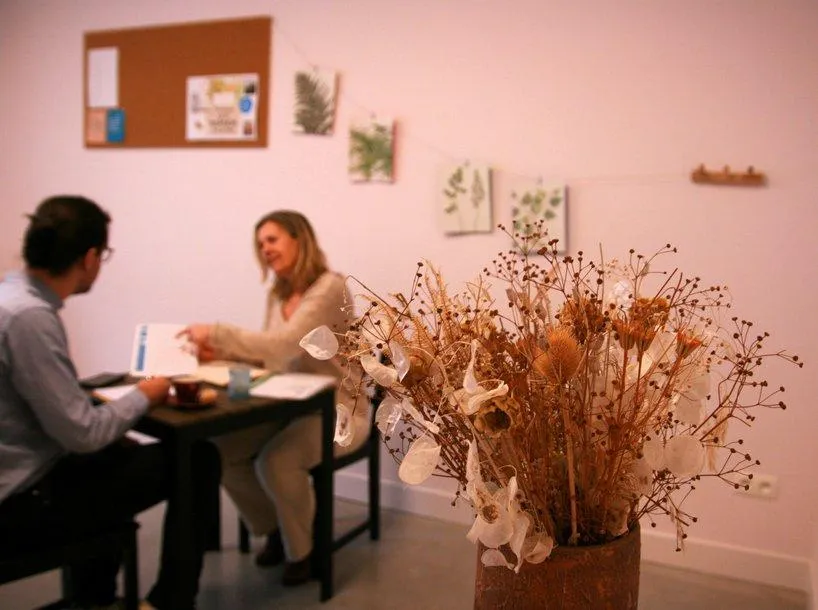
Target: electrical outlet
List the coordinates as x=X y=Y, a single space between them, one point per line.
x=760 y=486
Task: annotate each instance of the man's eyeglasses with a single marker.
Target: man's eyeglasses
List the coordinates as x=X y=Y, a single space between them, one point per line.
x=106 y=254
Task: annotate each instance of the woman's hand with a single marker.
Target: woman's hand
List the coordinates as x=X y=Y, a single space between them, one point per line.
x=199 y=335
x=206 y=353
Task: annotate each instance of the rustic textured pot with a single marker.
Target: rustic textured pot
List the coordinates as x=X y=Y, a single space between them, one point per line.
x=603 y=577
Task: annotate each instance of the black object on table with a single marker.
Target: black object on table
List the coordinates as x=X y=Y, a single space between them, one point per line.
x=101 y=380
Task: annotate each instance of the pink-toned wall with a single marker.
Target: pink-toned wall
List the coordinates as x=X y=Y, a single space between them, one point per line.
x=618 y=99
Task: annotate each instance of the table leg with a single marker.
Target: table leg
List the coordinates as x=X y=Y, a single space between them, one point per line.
x=181 y=505
x=324 y=493
x=214 y=510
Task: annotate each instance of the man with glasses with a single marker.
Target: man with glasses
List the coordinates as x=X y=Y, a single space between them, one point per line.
x=64 y=471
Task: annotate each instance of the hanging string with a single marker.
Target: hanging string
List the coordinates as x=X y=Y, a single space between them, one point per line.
x=281 y=33
x=614 y=180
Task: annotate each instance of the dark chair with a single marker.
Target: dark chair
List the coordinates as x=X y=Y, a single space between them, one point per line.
x=46 y=558
x=325 y=543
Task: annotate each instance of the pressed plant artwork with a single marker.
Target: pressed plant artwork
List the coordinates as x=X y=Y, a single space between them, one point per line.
x=315 y=96
x=568 y=397
x=465 y=199
x=371 y=151
x=534 y=204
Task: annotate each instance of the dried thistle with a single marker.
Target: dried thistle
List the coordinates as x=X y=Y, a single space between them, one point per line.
x=561 y=358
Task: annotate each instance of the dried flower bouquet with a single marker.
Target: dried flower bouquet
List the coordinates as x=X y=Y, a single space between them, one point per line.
x=595 y=394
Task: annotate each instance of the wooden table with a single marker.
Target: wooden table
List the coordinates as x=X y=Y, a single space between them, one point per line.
x=179 y=429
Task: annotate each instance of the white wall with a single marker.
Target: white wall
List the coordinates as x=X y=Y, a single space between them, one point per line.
x=620 y=100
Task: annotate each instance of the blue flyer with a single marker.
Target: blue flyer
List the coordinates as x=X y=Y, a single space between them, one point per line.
x=115 y=125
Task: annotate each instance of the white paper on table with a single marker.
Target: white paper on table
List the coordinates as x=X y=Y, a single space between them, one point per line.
x=113 y=392
x=218 y=372
x=141 y=437
x=293 y=386
x=103 y=78
x=158 y=350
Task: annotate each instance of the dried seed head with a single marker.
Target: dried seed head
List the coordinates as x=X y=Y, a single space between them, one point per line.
x=560 y=361
x=497 y=416
x=686 y=344
x=583 y=316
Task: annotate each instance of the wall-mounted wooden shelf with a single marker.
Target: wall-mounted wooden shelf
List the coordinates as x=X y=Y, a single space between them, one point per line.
x=725 y=177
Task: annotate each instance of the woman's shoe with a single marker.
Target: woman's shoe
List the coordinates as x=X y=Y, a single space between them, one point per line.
x=297 y=572
x=273 y=552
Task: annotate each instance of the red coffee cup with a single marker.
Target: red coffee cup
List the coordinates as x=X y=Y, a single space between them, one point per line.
x=188 y=389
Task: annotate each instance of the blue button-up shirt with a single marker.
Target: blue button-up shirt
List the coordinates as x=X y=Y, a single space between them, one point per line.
x=44 y=413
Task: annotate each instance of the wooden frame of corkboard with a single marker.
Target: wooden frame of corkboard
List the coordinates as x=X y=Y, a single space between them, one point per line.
x=154 y=64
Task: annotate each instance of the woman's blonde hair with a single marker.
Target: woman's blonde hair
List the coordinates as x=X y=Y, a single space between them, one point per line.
x=310 y=263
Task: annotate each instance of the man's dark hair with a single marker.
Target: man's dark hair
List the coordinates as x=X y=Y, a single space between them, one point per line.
x=61 y=230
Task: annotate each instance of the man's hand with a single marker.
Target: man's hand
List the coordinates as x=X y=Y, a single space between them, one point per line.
x=156 y=389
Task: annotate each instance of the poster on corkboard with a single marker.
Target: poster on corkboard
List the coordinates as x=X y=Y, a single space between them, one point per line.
x=198 y=84
x=222 y=107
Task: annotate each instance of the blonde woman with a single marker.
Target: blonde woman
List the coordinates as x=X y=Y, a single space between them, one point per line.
x=266 y=468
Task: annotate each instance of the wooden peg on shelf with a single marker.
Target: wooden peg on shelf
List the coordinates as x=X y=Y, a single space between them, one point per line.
x=701 y=175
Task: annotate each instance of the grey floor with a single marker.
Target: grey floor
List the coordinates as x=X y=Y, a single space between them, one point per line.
x=418 y=563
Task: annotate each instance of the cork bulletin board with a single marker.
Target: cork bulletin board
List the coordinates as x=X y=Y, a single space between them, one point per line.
x=143 y=85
